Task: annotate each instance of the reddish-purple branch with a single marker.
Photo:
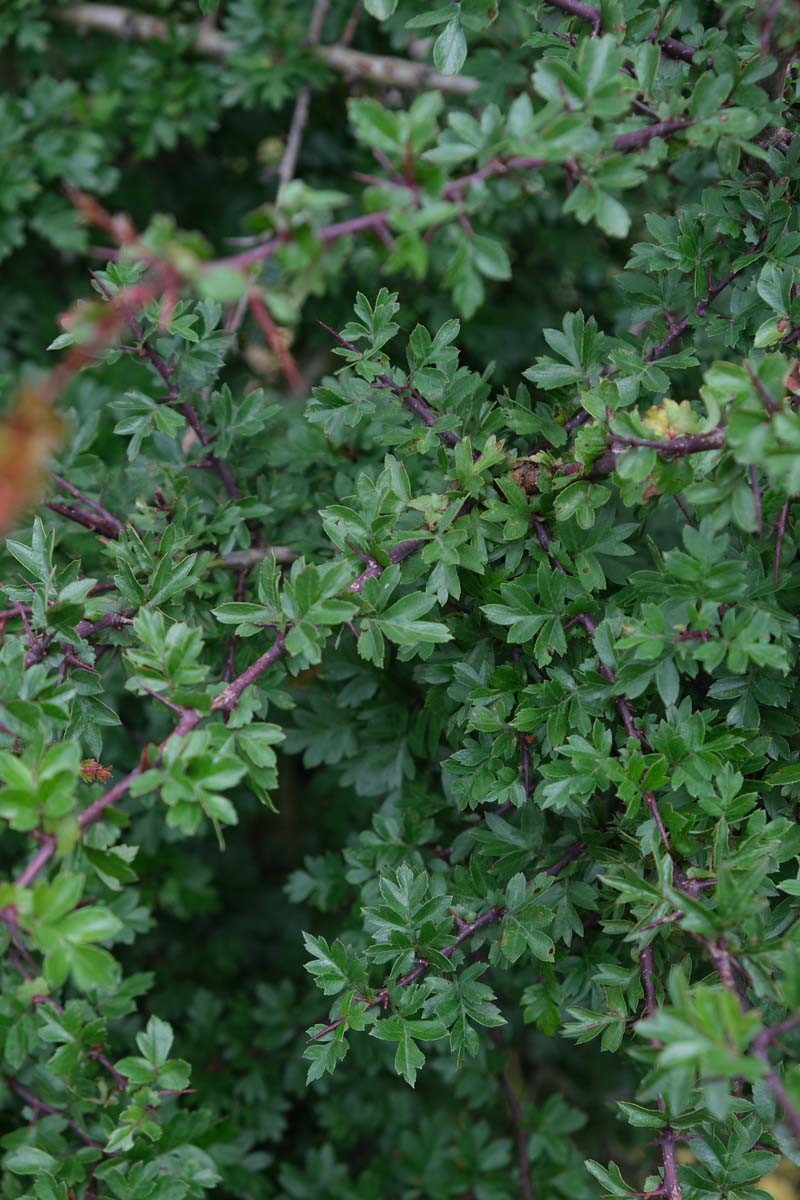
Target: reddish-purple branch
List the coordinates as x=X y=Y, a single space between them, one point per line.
x=757 y=505
x=649 y=981
x=638 y=139
x=39 y=860
x=592 y=16
x=39 y=1106
x=230 y=696
x=107 y=517
x=375 y=221
x=666 y=1140
x=465 y=931
x=409 y=397
x=676 y=49
x=381 y=998
x=568 y=857
x=274 y=337
x=517 y=1121
x=780 y=531
x=166 y=371
x=576 y=8
x=672 y=1187
x=117 y=619
x=86 y=518
x=96 y=810
x=669 y=448
x=770 y=403
x=724 y=965
x=652 y=804
x=623 y=706
x=677 y=330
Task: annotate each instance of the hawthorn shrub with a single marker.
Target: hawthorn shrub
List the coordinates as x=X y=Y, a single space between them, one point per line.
x=398 y=713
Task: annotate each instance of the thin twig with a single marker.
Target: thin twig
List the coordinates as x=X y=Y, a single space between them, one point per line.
x=108 y=517
x=187 y=408
x=666 y=1139
x=239 y=595
x=276 y=343
x=300 y=114
x=409 y=397
x=652 y=804
x=780 y=531
x=672 y=47
x=668 y=448
x=465 y=930
x=121 y=22
x=638 y=139
x=517 y=1121
x=770 y=403
x=89 y=520
x=759 y=1047
x=685 y=510
x=38 y=1106
x=375 y=220
x=757 y=505
x=678 y=329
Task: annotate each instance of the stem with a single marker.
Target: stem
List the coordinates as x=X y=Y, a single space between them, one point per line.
x=569 y=856
x=229 y=697
x=89 y=520
x=756 y=489
x=276 y=344
x=623 y=706
x=95 y=811
x=685 y=510
x=517 y=1122
x=586 y=12
x=770 y=403
x=652 y=804
x=300 y=114
x=465 y=931
x=688 y=443
x=666 y=1140
x=672 y=1187
x=121 y=22
x=575 y=8
x=38 y=1106
x=111 y=620
x=780 y=529
x=187 y=408
x=120 y=1081
x=42 y=856
x=109 y=518
x=376 y=220
x=701 y=308
x=637 y=139
x=669 y=448
x=410 y=398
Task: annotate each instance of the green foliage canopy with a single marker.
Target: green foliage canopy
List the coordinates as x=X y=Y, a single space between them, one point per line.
x=455 y=641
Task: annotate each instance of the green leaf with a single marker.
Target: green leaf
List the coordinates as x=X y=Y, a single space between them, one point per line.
x=93 y=924
x=28 y=1160
x=450 y=47
x=785 y=775
x=156 y=1041
x=610 y=1178
x=380 y=9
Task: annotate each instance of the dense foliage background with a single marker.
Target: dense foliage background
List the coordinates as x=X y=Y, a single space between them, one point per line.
x=398 y=669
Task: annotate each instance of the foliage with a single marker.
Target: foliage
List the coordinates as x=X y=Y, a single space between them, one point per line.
x=406 y=684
